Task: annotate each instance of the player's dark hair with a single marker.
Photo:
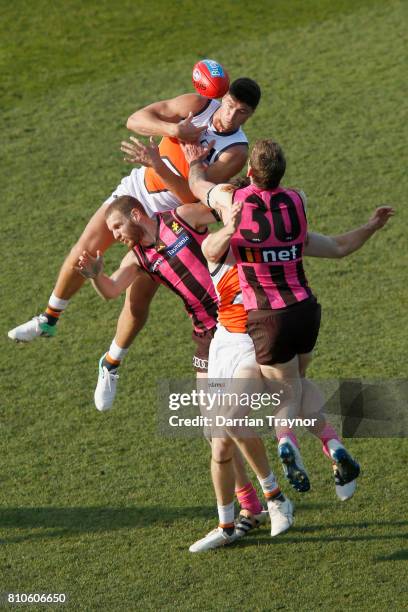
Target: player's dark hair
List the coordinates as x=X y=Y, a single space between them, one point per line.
x=268 y=164
x=246 y=90
x=124 y=204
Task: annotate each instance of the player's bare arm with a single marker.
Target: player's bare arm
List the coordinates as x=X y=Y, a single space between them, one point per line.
x=171 y=118
x=218 y=196
x=197 y=216
x=217 y=244
x=342 y=245
x=228 y=164
x=108 y=287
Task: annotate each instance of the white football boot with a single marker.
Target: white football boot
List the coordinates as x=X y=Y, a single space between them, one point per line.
x=215 y=539
x=36 y=327
x=281 y=513
x=106 y=388
x=344 y=492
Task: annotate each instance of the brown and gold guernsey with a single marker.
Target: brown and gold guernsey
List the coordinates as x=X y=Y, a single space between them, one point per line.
x=176 y=261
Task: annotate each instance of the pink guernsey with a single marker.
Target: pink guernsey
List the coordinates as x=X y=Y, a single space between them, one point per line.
x=176 y=261
x=268 y=247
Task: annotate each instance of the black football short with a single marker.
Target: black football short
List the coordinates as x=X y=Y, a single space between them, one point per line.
x=280 y=335
x=203 y=341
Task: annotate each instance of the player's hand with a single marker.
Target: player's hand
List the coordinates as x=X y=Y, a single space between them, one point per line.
x=196 y=152
x=234 y=219
x=380 y=217
x=186 y=131
x=139 y=153
x=88 y=266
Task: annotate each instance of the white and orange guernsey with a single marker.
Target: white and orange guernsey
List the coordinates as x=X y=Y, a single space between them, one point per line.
x=231 y=312
x=148 y=187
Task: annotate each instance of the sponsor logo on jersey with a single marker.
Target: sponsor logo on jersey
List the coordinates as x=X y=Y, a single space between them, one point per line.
x=201 y=364
x=177 y=229
x=213 y=68
x=179 y=244
x=270 y=254
x=156 y=264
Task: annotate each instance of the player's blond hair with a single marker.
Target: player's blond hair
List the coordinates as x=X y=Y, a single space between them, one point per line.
x=268 y=164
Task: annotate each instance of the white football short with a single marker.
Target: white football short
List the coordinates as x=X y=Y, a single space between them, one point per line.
x=229 y=352
x=133 y=185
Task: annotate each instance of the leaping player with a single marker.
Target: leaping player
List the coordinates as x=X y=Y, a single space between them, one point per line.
x=160 y=187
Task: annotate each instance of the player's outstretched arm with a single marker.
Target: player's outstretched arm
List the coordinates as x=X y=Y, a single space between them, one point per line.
x=216 y=244
x=149 y=155
x=108 y=287
x=342 y=245
x=171 y=118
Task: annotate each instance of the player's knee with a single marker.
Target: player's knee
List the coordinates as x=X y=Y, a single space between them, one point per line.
x=82 y=245
x=222 y=450
x=137 y=305
x=137 y=311
x=76 y=252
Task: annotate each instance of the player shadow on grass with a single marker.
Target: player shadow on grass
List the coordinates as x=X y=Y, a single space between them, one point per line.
x=82 y=520
x=398 y=555
x=295 y=535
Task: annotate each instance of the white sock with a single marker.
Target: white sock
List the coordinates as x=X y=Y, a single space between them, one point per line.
x=269 y=483
x=57 y=303
x=226 y=513
x=116 y=352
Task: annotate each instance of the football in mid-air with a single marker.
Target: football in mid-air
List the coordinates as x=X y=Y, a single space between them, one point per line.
x=210 y=79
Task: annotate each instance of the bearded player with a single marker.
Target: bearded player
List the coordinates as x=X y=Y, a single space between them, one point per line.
x=187 y=118
x=167 y=248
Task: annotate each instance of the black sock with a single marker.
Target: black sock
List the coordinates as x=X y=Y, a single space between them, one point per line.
x=51 y=320
x=228 y=530
x=110 y=366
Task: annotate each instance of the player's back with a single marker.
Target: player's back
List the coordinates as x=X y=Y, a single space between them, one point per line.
x=268 y=246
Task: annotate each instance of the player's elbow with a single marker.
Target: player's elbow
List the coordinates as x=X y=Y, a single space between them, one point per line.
x=212 y=258
x=340 y=253
x=129 y=123
x=340 y=250
x=132 y=122
x=211 y=255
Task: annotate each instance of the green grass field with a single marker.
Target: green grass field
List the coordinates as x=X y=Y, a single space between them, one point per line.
x=99 y=506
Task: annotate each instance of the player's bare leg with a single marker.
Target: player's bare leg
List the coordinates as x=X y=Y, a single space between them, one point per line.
x=96 y=236
x=345 y=468
x=252 y=447
x=134 y=315
x=222 y=472
x=288 y=448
